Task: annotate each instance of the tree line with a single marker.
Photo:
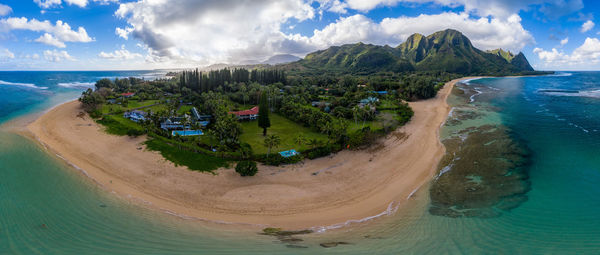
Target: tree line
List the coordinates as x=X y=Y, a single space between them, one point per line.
x=201 y=82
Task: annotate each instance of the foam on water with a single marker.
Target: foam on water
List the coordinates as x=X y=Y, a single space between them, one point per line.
x=77 y=84
x=28 y=85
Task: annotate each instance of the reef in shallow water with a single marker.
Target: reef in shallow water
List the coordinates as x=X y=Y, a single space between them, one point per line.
x=482 y=174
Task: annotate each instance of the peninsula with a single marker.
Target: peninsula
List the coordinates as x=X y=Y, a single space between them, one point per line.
x=344 y=134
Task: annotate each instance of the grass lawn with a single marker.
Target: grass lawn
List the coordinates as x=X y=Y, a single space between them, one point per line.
x=387 y=103
x=194 y=161
x=374 y=125
x=184 y=109
x=111 y=108
x=118 y=125
x=286 y=129
x=157 y=108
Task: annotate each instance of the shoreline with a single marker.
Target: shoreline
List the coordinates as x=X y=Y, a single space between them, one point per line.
x=354 y=186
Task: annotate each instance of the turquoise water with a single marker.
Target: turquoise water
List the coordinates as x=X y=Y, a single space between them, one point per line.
x=47 y=207
x=187 y=132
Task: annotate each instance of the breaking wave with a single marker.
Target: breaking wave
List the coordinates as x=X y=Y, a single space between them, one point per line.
x=76 y=84
x=571 y=93
x=28 y=85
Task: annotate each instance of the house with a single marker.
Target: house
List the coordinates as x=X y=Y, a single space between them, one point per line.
x=136 y=115
x=174 y=123
x=369 y=100
x=250 y=114
x=128 y=94
x=201 y=120
x=319 y=104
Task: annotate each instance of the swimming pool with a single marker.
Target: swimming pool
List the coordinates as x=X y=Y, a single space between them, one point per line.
x=187 y=132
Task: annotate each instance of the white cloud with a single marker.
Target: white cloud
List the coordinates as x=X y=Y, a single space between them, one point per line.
x=586 y=54
x=6 y=54
x=123 y=32
x=45 y=4
x=484 y=8
x=57 y=56
x=121 y=54
x=105 y=2
x=188 y=32
x=56 y=35
x=587 y=26
x=5 y=10
x=193 y=32
x=564 y=41
x=50 y=40
x=34 y=56
x=484 y=33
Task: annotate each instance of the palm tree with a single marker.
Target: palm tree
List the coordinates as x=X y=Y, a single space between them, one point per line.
x=212 y=138
x=300 y=139
x=272 y=141
x=186 y=123
x=355 y=111
x=314 y=142
x=243 y=90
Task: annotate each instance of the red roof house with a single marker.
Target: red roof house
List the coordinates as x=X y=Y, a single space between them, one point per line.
x=250 y=114
x=128 y=94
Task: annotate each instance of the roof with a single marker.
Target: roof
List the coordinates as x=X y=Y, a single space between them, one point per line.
x=128 y=94
x=195 y=113
x=252 y=111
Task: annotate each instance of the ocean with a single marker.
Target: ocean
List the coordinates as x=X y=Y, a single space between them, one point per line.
x=521 y=177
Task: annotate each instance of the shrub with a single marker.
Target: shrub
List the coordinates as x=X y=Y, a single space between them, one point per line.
x=405 y=113
x=318 y=152
x=277 y=159
x=95 y=114
x=246 y=168
x=135 y=132
x=359 y=138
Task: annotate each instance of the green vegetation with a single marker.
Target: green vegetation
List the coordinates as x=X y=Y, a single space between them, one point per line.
x=131 y=104
x=285 y=129
x=344 y=97
x=445 y=51
x=263 y=113
x=184 y=109
x=118 y=125
x=194 y=161
x=246 y=168
x=270 y=142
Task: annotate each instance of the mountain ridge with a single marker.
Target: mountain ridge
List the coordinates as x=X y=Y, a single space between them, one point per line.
x=448 y=50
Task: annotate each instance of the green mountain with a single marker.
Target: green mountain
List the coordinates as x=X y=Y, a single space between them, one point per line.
x=501 y=53
x=447 y=50
x=358 y=57
x=519 y=60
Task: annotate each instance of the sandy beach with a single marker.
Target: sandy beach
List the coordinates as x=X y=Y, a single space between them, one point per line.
x=350 y=185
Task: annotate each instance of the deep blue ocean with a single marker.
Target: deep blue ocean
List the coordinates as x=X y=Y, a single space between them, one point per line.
x=47 y=207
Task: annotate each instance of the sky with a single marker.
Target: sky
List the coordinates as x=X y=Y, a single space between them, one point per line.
x=165 y=34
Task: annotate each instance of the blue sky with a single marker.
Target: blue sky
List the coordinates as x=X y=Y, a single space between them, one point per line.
x=149 y=34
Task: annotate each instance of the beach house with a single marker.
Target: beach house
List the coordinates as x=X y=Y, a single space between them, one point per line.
x=136 y=115
x=128 y=94
x=250 y=114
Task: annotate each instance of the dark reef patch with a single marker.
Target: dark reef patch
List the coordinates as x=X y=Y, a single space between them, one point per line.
x=483 y=173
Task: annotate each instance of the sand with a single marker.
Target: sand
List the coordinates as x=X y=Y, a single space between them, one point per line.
x=349 y=186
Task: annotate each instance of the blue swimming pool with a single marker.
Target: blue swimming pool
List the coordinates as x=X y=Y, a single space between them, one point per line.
x=187 y=132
